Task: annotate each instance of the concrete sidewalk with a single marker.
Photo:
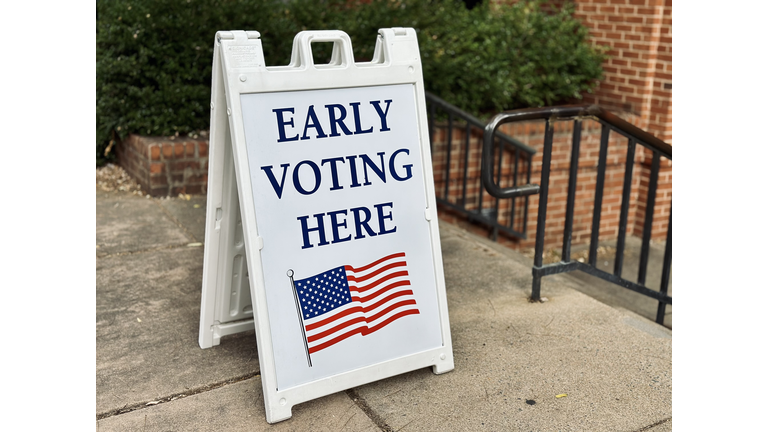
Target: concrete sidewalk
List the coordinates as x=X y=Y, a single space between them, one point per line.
x=512 y=357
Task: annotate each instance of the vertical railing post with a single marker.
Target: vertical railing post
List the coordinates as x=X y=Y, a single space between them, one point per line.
x=432 y=128
x=495 y=233
x=448 y=158
x=648 y=224
x=595 y=238
x=527 y=181
x=468 y=134
x=624 y=215
x=665 y=270
x=480 y=191
x=572 y=178
x=542 y=216
x=514 y=183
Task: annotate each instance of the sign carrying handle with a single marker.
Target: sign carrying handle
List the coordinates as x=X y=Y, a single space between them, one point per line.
x=341 y=56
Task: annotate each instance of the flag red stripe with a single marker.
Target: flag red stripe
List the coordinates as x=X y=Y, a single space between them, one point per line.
x=390 y=309
x=378 y=282
x=382 y=291
x=377 y=272
x=334 y=317
x=333 y=341
x=389 y=320
x=386 y=299
x=375 y=263
x=336 y=329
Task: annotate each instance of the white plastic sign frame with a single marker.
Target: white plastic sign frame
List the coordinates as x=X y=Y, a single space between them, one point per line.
x=359 y=130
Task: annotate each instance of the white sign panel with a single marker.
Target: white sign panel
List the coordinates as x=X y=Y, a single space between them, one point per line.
x=340 y=199
x=335 y=258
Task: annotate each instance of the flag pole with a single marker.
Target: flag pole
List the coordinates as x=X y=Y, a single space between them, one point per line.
x=298 y=311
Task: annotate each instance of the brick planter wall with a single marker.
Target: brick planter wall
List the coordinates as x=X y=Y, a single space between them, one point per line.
x=165 y=167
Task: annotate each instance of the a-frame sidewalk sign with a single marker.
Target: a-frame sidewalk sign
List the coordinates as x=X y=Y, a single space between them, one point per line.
x=321 y=230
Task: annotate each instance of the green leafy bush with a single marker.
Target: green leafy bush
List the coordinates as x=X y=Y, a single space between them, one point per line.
x=486 y=59
x=493 y=59
x=153 y=57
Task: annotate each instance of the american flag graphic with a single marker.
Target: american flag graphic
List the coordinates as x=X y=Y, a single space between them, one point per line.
x=345 y=301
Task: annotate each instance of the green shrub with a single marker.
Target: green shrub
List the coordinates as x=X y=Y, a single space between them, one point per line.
x=153 y=57
x=484 y=60
x=494 y=59
x=363 y=21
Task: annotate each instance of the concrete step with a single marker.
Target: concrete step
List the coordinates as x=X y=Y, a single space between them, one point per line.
x=619 y=297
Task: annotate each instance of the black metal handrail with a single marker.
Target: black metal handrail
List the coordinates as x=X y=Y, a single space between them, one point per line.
x=477 y=209
x=609 y=122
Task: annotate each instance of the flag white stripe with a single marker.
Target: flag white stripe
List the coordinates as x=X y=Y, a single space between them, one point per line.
x=345 y=330
x=359 y=274
x=336 y=312
x=383 y=289
x=370 y=315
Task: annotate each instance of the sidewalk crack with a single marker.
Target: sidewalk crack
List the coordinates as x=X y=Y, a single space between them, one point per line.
x=176 y=221
x=363 y=405
x=151 y=249
x=650 y=426
x=176 y=396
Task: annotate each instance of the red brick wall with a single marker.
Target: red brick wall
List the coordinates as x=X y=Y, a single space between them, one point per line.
x=638 y=80
x=166 y=167
x=638 y=74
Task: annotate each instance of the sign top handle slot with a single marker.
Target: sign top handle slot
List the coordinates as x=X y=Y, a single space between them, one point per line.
x=341 y=57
